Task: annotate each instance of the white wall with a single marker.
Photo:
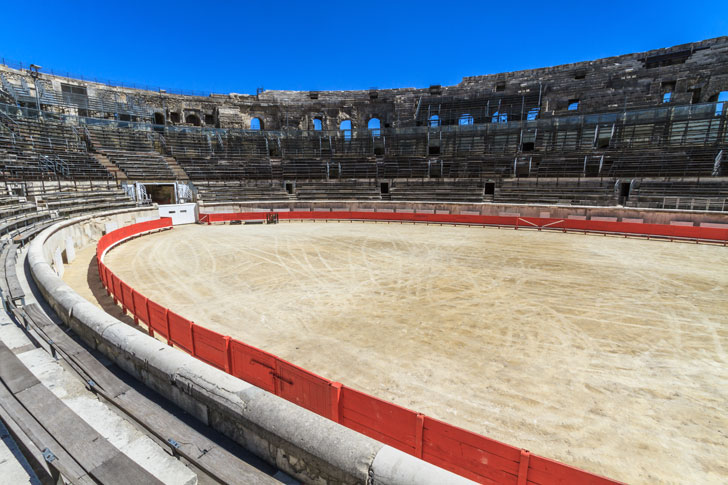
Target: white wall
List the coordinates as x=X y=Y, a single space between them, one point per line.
x=180 y=213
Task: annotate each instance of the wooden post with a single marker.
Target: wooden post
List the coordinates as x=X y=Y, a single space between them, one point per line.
x=169 y=334
x=336 y=401
x=228 y=356
x=523 y=467
x=419 y=433
x=150 y=330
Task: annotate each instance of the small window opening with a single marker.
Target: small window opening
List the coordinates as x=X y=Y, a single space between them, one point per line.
x=528 y=146
x=317 y=124
x=490 y=188
x=500 y=86
x=532 y=114
x=573 y=104
x=720 y=106
x=345 y=126
x=384 y=187
x=696 y=96
x=603 y=140
x=434 y=121
x=256 y=124
x=624 y=192
x=434 y=150
x=209 y=119
x=374 y=126
x=465 y=119
x=499 y=117
x=580 y=74
x=289 y=187
x=174 y=117
x=667 y=89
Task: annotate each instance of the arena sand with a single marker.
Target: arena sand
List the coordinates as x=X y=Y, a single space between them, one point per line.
x=605 y=353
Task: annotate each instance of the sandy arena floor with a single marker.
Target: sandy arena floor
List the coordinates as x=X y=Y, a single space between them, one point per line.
x=602 y=352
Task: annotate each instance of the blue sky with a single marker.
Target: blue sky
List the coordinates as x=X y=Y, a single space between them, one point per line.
x=236 y=47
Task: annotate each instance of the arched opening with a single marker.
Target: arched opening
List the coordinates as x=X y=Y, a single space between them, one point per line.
x=345 y=126
x=193 y=119
x=499 y=117
x=318 y=125
x=174 y=117
x=434 y=121
x=465 y=119
x=256 y=124
x=158 y=119
x=374 y=126
x=720 y=99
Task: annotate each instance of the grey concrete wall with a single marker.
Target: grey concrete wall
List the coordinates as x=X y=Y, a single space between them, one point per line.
x=307 y=446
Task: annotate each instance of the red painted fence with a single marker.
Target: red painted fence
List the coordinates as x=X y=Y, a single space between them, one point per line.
x=471 y=455
x=567 y=225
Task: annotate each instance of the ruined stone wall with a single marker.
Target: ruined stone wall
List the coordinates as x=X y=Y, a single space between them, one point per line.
x=693 y=73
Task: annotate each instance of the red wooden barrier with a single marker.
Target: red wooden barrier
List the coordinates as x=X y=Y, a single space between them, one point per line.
x=303 y=388
x=126 y=297
x=211 y=347
x=381 y=420
x=253 y=365
x=654 y=230
x=468 y=454
x=180 y=332
x=158 y=319
x=116 y=286
x=140 y=307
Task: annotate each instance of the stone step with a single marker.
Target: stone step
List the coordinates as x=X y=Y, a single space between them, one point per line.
x=108 y=165
x=178 y=172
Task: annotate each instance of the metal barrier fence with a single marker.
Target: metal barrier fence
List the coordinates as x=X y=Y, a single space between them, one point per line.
x=636 y=229
x=463 y=452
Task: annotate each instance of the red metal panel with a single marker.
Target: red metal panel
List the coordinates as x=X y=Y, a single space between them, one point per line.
x=126 y=297
x=210 y=347
x=463 y=451
x=180 y=331
x=381 y=420
x=140 y=306
x=253 y=365
x=158 y=319
x=104 y=275
x=304 y=388
x=662 y=230
x=542 y=471
x=116 y=286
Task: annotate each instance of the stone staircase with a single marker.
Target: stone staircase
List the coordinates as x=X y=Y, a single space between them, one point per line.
x=178 y=172
x=109 y=165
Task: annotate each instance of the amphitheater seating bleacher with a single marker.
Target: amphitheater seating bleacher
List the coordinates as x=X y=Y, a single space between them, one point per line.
x=36 y=150
x=438 y=190
x=680 y=194
x=566 y=191
x=337 y=190
x=219 y=191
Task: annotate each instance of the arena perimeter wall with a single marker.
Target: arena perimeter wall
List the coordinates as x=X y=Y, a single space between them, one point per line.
x=637 y=229
x=465 y=453
x=303 y=444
